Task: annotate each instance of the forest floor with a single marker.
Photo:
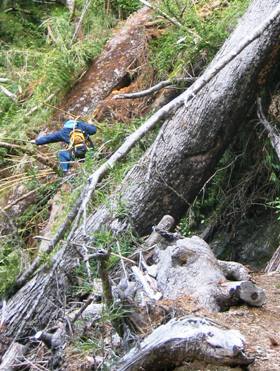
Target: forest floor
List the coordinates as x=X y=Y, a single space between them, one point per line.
x=259 y=326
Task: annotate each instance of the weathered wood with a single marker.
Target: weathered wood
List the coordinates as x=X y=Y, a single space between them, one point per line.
x=187 y=339
x=189 y=267
x=234 y=271
x=140 y=278
x=191 y=145
x=56 y=343
x=12 y=357
x=144 y=199
x=274 y=264
x=241 y=292
x=8 y=93
x=166 y=223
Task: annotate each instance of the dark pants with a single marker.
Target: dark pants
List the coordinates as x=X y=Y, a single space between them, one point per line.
x=65 y=157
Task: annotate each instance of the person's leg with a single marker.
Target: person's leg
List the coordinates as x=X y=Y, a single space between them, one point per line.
x=64 y=157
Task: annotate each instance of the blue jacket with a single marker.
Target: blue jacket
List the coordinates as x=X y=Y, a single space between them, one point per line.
x=63 y=135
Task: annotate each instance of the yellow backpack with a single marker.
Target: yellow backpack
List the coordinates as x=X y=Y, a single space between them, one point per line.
x=78 y=143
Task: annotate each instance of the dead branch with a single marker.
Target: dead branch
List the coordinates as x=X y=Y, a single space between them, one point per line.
x=40 y=158
x=56 y=343
x=153 y=89
x=166 y=223
x=77 y=29
x=163 y=14
x=23 y=197
x=139 y=277
x=83 y=308
x=102 y=257
x=274 y=263
x=34 y=109
x=272 y=132
x=8 y=93
x=235 y=293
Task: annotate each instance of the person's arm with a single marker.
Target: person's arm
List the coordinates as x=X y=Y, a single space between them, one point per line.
x=49 y=138
x=87 y=128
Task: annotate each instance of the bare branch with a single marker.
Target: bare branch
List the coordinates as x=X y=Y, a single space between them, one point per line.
x=8 y=93
x=77 y=29
x=274 y=263
x=163 y=14
x=153 y=89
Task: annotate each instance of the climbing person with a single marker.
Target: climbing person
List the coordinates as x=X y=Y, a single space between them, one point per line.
x=74 y=133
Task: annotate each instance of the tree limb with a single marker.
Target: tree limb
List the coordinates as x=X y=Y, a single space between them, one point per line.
x=85 y=8
x=8 y=93
x=166 y=16
x=274 y=263
x=153 y=89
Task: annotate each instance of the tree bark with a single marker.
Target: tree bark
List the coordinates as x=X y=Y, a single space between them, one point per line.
x=196 y=136
x=187 y=339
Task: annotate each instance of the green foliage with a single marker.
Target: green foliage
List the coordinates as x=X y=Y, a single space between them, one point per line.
x=276 y=205
x=44 y=62
x=245 y=183
x=199 y=38
x=10 y=263
x=125 y=7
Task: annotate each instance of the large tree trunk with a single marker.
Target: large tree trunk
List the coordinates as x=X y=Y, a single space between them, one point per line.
x=172 y=172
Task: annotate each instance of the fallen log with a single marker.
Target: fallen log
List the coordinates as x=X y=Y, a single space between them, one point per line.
x=187 y=339
x=126 y=47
